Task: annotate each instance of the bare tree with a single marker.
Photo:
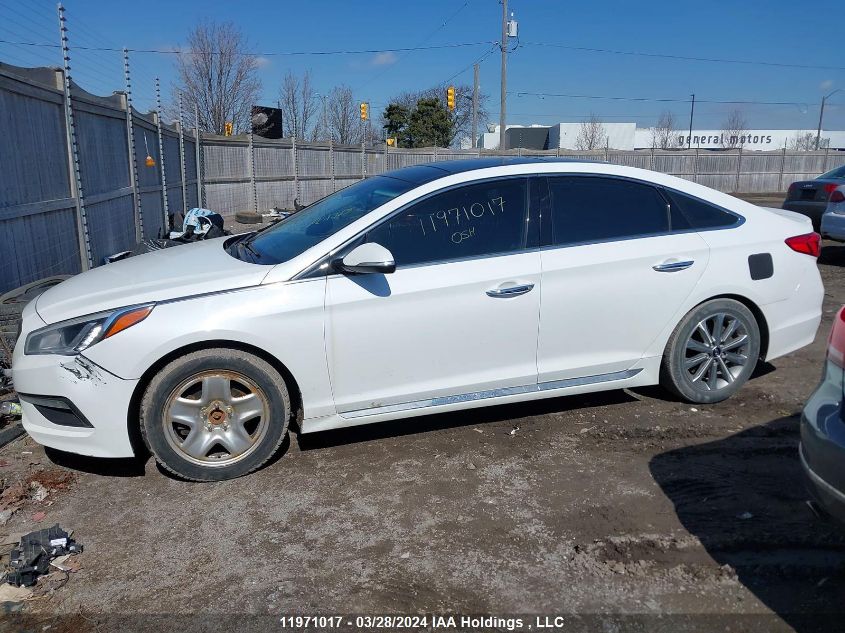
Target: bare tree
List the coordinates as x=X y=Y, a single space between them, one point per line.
x=806 y=142
x=661 y=134
x=299 y=105
x=733 y=130
x=591 y=135
x=344 y=116
x=218 y=75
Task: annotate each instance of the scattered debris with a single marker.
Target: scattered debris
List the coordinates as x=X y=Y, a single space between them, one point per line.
x=10 y=593
x=10 y=408
x=514 y=430
x=693 y=409
x=36 y=550
x=406 y=555
x=39 y=516
x=478 y=430
x=744 y=516
x=470 y=466
x=6 y=514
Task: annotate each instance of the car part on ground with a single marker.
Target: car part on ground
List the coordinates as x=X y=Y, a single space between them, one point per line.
x=822 y=448
x=215 y=414
x=248 y=217
x=199 y=224
x=34 y=553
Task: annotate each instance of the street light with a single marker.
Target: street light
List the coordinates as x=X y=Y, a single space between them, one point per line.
x=821 y=115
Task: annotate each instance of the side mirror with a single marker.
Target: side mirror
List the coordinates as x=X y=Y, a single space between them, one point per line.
x=366 y=258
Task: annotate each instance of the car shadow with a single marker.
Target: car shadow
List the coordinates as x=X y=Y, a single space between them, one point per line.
x=118 y=467
x=457 y=419
x=743 y=498
x=659 y=392
x=833 y=254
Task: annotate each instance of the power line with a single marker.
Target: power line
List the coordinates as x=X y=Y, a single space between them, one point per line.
x=270 y=54
x=659 y=99
x=718 y=60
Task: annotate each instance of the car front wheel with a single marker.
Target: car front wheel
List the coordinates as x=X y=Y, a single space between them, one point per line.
x=712 y=352
x=215 y=414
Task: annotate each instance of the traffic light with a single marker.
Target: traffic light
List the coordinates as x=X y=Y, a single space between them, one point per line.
x=450 y=97
x=365 y=111
x=391 y=142
x=227 y=128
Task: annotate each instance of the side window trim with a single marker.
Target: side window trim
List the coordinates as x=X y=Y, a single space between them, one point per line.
x=667 y=194
x=317 y=270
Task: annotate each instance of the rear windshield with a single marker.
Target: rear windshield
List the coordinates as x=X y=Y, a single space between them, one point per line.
x=324 y=218
x=839 y=172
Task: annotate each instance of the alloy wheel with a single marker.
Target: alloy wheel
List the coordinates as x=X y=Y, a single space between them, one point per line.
x=716 y=351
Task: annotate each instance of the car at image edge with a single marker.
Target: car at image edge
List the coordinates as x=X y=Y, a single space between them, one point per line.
x=822 y=448
x=810 y=197
x=833 y=219
x=432 y=288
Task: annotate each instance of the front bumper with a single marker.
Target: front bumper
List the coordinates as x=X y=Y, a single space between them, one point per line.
x=100 y=397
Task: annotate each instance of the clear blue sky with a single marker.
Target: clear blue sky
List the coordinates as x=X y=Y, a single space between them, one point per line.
x=778 y=31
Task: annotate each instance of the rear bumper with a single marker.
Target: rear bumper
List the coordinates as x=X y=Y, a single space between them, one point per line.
x=827 y=496
x=793 y=322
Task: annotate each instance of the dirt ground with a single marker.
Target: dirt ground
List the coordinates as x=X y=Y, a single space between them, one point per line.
x=613 y=508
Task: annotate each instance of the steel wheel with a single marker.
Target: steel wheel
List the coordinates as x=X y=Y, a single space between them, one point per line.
x=717 y=351
x=216 y=418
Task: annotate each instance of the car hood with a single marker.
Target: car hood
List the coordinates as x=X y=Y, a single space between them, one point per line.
x=171 y=273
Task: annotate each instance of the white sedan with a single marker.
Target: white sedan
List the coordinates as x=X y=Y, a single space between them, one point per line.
x=433 y=288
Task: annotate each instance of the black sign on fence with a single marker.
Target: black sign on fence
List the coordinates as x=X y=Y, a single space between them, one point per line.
x=267 y=122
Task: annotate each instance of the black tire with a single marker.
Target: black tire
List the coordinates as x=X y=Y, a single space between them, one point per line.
x=163 y=442
x=679 y=373
x=248 y=217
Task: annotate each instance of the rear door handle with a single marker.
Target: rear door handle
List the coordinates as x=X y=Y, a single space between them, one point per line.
x=510 y=291
x=672 y=267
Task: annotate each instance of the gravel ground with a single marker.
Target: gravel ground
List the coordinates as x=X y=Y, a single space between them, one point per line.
x=617 y=506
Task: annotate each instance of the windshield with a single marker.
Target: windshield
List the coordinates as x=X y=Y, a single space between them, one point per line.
x=312 y=225
x=839 y=172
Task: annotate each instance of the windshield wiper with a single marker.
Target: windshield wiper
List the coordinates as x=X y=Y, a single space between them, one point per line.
x=244 y=243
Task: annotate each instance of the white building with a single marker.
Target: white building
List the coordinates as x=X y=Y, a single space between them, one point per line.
x=627 y=136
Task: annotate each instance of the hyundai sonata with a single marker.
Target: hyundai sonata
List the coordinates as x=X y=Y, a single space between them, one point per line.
x=432 y=288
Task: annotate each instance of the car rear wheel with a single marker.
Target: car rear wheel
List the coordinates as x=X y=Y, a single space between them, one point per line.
x=712 y=352
x=215 y=414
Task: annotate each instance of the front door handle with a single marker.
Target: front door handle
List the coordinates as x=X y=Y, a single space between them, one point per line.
x=510 y=291
x=672 y=267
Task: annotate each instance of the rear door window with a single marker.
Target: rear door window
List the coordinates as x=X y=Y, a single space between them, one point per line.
x=588 y=209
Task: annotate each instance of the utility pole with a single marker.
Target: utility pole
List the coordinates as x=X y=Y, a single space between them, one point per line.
x=691 y=112
x=821 y=116
x=475 y=108
x=503 y=104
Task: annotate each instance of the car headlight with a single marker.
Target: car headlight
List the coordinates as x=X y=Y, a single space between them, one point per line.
x=69 y=338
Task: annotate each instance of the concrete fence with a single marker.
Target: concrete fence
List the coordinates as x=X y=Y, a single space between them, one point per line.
x=75 y=186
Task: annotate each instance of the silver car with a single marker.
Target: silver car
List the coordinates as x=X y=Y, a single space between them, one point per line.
x=833 y=218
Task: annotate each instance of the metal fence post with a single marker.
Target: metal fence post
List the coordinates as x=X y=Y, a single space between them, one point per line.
x=782 y=167
x=164 y=207
x=295 y=169
x=651 y=162
x=435 y=152
x=182 y=160
x=363 y=161
x=826 y=154
x=385 y=155
x=331 y=161
x=133 y=160
x=85 y=258
x=738 y=169
x=198 y=157
x=252 y=174
x=695 y=166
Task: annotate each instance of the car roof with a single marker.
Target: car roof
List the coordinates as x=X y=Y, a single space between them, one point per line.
x=421 y=174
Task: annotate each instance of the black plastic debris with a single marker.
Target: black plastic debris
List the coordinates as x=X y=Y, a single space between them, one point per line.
x=32 y=557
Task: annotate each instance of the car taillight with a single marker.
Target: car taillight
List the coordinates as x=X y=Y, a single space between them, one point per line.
x=836 y=342
x=830 y=187
x=837 y=196
x=809 y=244
x=792 y=188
